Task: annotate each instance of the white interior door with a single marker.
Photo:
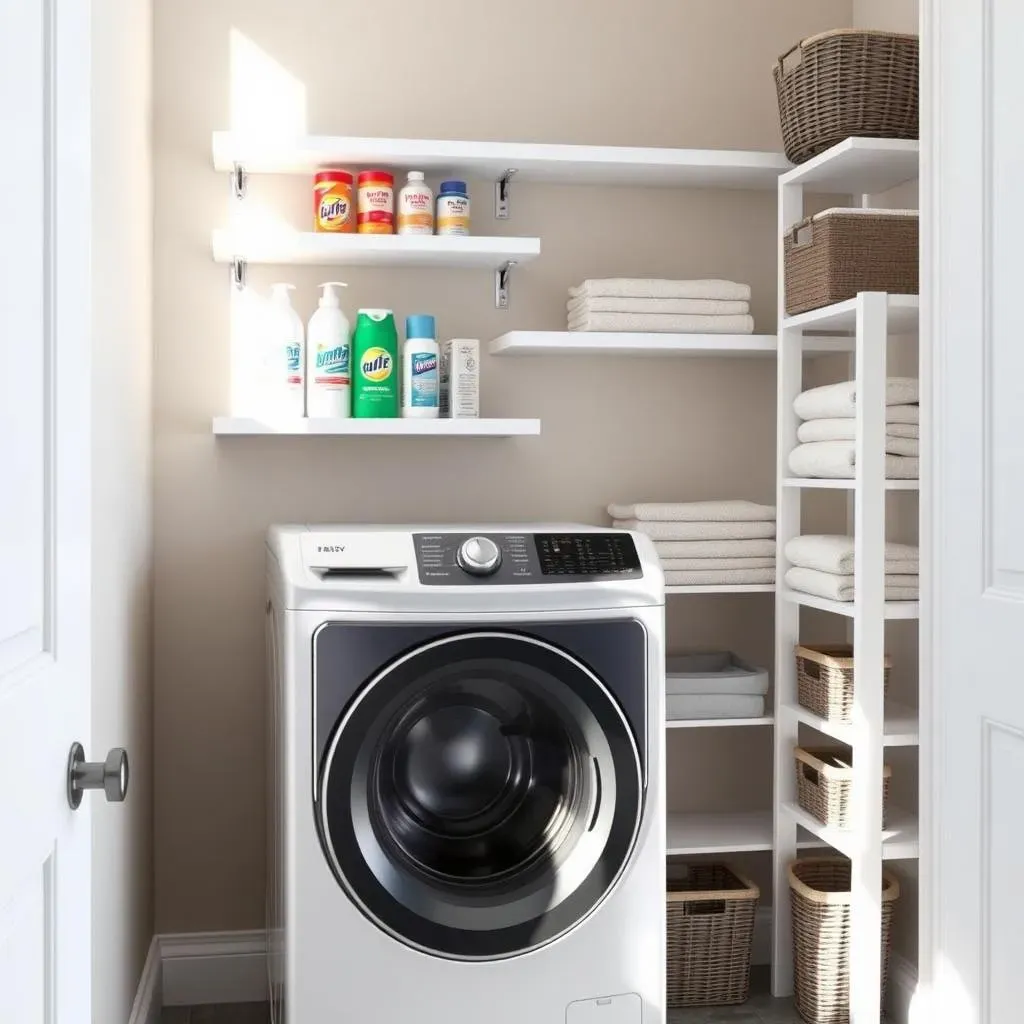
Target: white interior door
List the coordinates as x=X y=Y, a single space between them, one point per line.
x=45 y=958
x=973 y=928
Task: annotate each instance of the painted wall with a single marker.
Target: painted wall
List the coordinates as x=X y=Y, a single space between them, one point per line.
x=122 y=513
x=693 y=73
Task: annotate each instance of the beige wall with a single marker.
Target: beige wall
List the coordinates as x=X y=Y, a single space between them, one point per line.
x=886 y=15
x=122 y=511
x=693 y=73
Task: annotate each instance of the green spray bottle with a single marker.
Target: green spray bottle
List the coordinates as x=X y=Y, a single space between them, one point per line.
x=375 y=365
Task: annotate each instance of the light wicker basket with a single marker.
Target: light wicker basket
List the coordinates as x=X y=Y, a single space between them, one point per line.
x=824 y=782
x=824 y=678
x=846 y=82
x=820 y=897
x=833 y=255
x=710 y=916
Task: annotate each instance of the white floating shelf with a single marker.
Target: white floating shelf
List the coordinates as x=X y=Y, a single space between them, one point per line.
x=847 y=485
x=858 y=166
x=601 y=343
x=842 y=316
x=731 y=588
x=899 y=839
x=734 y=832
x=893 y=609
x=901 y=727
x=716 y=723
x=327 y=249
x=570 y=165
x=243 y=426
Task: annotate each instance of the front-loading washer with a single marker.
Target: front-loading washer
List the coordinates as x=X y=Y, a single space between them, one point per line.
x=466 y=735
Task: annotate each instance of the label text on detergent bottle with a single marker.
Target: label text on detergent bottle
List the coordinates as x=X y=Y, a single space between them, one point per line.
x=332 y=366
x=293 y=363
x=423 y=385
x=377 y=365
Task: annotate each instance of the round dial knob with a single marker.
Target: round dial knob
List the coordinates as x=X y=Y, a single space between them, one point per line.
x=480 y=556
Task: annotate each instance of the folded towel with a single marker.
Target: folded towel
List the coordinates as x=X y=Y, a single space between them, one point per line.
x=712 y=672
x=698 y=531
x=841 y=399
x=835 y=460
x=624 y=304
x=727 y=511
x=845 y=429
x=707 y=549
x=717 y=577
x=840 y=588
x=655 y=288
x=902 y=414
x=834 y=553
x=714 y=564
x=713 y=705
x=662 y=323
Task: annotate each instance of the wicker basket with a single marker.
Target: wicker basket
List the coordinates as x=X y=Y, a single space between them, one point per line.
x=824 y=782
x=835 y=254
x=820 y=894
x=846 y=82
x=710 y=931
x=824 y=676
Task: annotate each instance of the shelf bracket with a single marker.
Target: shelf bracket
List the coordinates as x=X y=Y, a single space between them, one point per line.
x=238 y=267
x=501 y=194
x=239 y=181
x=501 y=276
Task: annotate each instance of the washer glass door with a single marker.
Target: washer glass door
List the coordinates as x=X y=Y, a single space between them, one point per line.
x=481 y=795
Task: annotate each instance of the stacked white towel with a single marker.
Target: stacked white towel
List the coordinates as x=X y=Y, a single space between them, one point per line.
x=822 y=564
x=716 y=684
x=652 y=305
x=828 y=432
x=706 y=543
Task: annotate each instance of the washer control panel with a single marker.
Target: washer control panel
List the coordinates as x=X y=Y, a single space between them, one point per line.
x=501 y=559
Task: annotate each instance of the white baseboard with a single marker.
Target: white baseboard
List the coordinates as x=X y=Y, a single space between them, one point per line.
x=214 y=967
x=149 y=997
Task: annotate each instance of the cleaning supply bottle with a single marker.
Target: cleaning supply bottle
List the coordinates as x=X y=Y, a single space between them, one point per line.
x=375 y=357
x=420 y=392
x=328 y=357
x=416 y=207
x=283 y=370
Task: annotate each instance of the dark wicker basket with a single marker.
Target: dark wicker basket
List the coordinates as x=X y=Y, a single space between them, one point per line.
x=824 y=782
x=824 y=680
x=820 y=896
x=846 y=82
x=710 y=916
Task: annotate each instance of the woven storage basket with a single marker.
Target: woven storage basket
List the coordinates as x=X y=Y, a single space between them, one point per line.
x=820 y=896
x=846 y=82
x=824 y=677
x=710 y=931
x=824 y=782
x=835 y=254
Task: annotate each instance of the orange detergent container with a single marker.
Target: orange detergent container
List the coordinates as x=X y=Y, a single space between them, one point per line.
x=333 y=206
x=376 y=203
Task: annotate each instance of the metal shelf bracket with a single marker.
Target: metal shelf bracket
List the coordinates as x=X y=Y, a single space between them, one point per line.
x=238 y=268
x=239 y=181
x=501 y=279
x=502 y=195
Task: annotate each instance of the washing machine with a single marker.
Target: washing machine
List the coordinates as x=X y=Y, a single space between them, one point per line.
x=466 y=760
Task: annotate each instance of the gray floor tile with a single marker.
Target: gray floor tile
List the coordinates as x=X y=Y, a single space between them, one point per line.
x=231 y=1013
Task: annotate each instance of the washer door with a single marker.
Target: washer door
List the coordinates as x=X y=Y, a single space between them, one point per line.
x=480 y=796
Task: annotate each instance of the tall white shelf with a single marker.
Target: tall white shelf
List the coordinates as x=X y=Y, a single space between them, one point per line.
x=856 y=167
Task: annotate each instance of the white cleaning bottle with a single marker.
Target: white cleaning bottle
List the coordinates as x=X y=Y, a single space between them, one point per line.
x=420 y=373
x=329 y=358
x=283 y=393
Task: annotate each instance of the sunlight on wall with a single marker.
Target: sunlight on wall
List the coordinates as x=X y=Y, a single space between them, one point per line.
x=266 y=99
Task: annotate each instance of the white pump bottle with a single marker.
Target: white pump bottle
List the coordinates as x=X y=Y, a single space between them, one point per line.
x=329 y=358
x=283 y=393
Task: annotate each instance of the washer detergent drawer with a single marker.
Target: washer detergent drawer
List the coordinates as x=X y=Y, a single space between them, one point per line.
x=626 y=1008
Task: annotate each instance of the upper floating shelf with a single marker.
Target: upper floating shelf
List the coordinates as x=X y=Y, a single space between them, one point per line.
x=570 y=165
x=903 y=317
x=859 y=167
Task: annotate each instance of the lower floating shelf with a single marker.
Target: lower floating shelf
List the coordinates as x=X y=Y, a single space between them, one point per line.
x=244 y=426
x=716 y=723
x=900 y=839
x=736 y=832
x=893 y=609
x=733 y=588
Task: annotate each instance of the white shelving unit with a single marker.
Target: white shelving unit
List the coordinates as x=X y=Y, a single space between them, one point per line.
x=717 y=723
x=692 y=834
x=727 y=588
x=243 y=426
x=857 y=167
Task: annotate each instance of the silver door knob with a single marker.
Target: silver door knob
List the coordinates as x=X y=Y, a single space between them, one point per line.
x=479 y=556
x=110 y=775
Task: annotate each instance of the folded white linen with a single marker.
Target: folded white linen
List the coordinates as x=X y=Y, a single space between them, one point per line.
x=909 y=446
x=834 y=553
x=714 y=564
x=659 y=288
x=662 y=323
x=713 y=705
x=717 y=577
x=835 y=460
x=902 y=414
x=625 y=304
x=840 y=588
x=698 y=531
x=845 y=428
x=725 y=511
x=707 y=549
x=834 y=400
x=712 y=672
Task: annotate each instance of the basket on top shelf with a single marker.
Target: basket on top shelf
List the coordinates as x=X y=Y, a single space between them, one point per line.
x=710 y=922
x=824 y=784
x=820 y=898
x=847 y=82
x=824 y=674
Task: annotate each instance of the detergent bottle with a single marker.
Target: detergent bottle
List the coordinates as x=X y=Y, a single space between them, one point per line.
x=329 y=358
